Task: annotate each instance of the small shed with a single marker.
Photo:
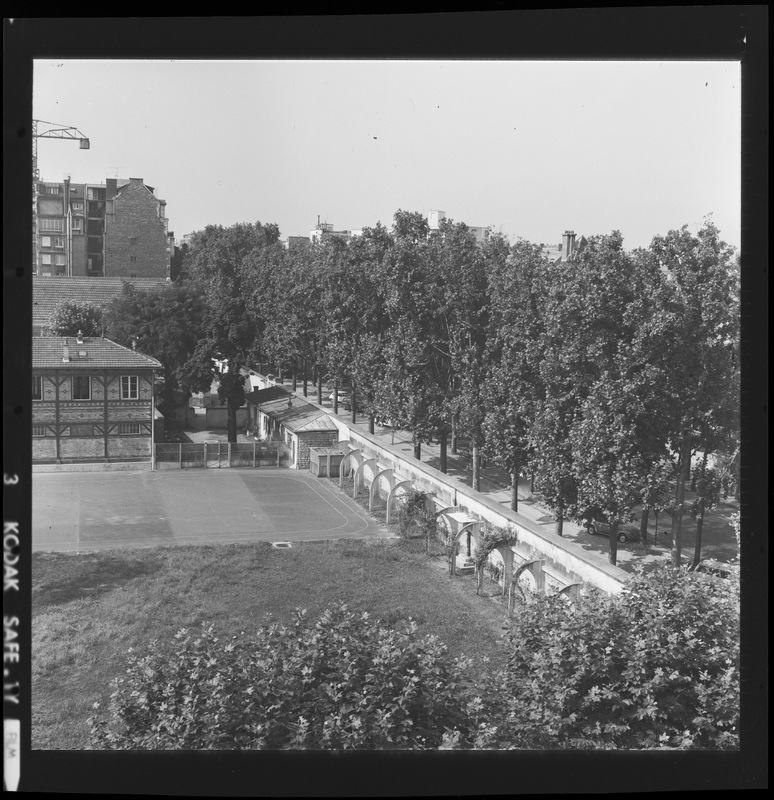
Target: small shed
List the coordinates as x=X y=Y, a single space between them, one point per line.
x=325 y=462
x=276 y=414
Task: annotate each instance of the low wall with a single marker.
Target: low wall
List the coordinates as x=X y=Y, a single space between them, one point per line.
x=217 y=417
x=94 y=466
x=565 y=557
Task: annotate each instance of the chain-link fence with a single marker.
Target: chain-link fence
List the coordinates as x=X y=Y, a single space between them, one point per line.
x=219 y=454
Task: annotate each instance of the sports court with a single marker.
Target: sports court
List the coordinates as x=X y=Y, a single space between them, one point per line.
x=101 y=510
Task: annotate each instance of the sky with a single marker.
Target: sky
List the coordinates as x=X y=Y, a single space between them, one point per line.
x=530 y=148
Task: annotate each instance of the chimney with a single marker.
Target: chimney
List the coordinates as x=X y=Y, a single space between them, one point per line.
x=79 y=337
x=111 y=188
x=568 y=245
x=65 y=354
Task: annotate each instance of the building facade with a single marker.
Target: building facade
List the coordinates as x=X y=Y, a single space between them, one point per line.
x=115 y=229
x=92 y=401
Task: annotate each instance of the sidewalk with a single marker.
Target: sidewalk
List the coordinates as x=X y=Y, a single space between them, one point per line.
x=718 y=539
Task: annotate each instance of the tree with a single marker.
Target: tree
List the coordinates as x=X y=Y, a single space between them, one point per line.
x=343 y=682
x=165 y=323
x=71 y=317
x=228 y=266
x=512 y=383
x=656 y=667
x=693 y=337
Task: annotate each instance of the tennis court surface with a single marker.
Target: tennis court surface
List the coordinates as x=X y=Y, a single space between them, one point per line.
x=101 y=510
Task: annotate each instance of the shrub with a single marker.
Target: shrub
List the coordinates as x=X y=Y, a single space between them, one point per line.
x=414 y=519
x=342 y=682
x=657 y=667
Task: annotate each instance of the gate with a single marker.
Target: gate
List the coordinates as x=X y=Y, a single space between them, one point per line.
x=213 y=454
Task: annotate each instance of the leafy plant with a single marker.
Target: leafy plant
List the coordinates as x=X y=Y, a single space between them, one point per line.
x=656 y=667
x=344 y=681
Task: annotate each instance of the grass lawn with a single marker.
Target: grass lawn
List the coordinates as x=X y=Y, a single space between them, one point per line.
x=89 y=608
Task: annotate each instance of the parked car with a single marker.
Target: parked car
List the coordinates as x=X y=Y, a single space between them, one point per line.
x=344 y=396
x=626 y=532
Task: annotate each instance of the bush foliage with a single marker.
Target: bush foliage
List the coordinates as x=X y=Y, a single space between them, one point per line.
x=656 y=667
x=343 y=682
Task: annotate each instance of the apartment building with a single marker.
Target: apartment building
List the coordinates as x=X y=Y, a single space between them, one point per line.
x=115 y=229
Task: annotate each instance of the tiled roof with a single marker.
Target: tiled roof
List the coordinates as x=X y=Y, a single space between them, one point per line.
x=258 y=396
x=301 y=416
x=48 y=292
x=48 y=352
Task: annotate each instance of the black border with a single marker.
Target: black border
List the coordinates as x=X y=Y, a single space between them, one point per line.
x=654 y=32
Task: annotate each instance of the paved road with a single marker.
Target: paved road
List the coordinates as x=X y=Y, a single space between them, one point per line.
x=74 y=511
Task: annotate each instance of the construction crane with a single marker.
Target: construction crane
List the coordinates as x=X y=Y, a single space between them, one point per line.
x=47 y=130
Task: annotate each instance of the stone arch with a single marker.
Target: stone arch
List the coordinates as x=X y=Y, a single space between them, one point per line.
x=346 y=463
x=388 y=473
x=406 y=485
x=359 y=475
x=571 y=591
x=532 y=567
x=468 y=528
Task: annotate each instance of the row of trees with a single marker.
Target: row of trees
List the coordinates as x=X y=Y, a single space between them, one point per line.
x=604 y=377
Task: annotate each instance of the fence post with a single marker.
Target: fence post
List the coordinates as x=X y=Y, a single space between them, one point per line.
x=204 y=445
x=253 y=455
x=180 y=446
x=278 y=454
x=229 y=455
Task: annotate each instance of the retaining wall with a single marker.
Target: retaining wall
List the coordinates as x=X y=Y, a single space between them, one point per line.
x=561 y=556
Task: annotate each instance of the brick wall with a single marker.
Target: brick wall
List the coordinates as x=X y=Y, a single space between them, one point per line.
x=134 y=230
x=66 y=419
x=307 y=439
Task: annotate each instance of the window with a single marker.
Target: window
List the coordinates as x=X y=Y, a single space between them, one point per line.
x=45 y=258
x=81 y=387
x=77 y=224
x=77 y=205
x=133 y=258
x=59 y=260
x=45 y=241
x=37 y=387
x=128 y=428
x=129 y=387
x=53 y=189
x=38 y=430
x=51 y=224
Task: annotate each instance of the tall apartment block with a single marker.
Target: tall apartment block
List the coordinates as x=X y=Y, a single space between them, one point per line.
x=115 y=229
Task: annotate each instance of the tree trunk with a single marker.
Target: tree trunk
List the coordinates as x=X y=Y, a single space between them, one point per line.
x=306 y=379
x=354 y=404
x=443 y=438
x=475 y=475
x=515 y=491
x=335 y=398
x=613 y=549
x=559 y=520
x=453 y=434
x=417 y=448
x=319 y=388
x=684 y=464
x=371 y=424
x=699 y=526
x=644 y=524
x=295 y=380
